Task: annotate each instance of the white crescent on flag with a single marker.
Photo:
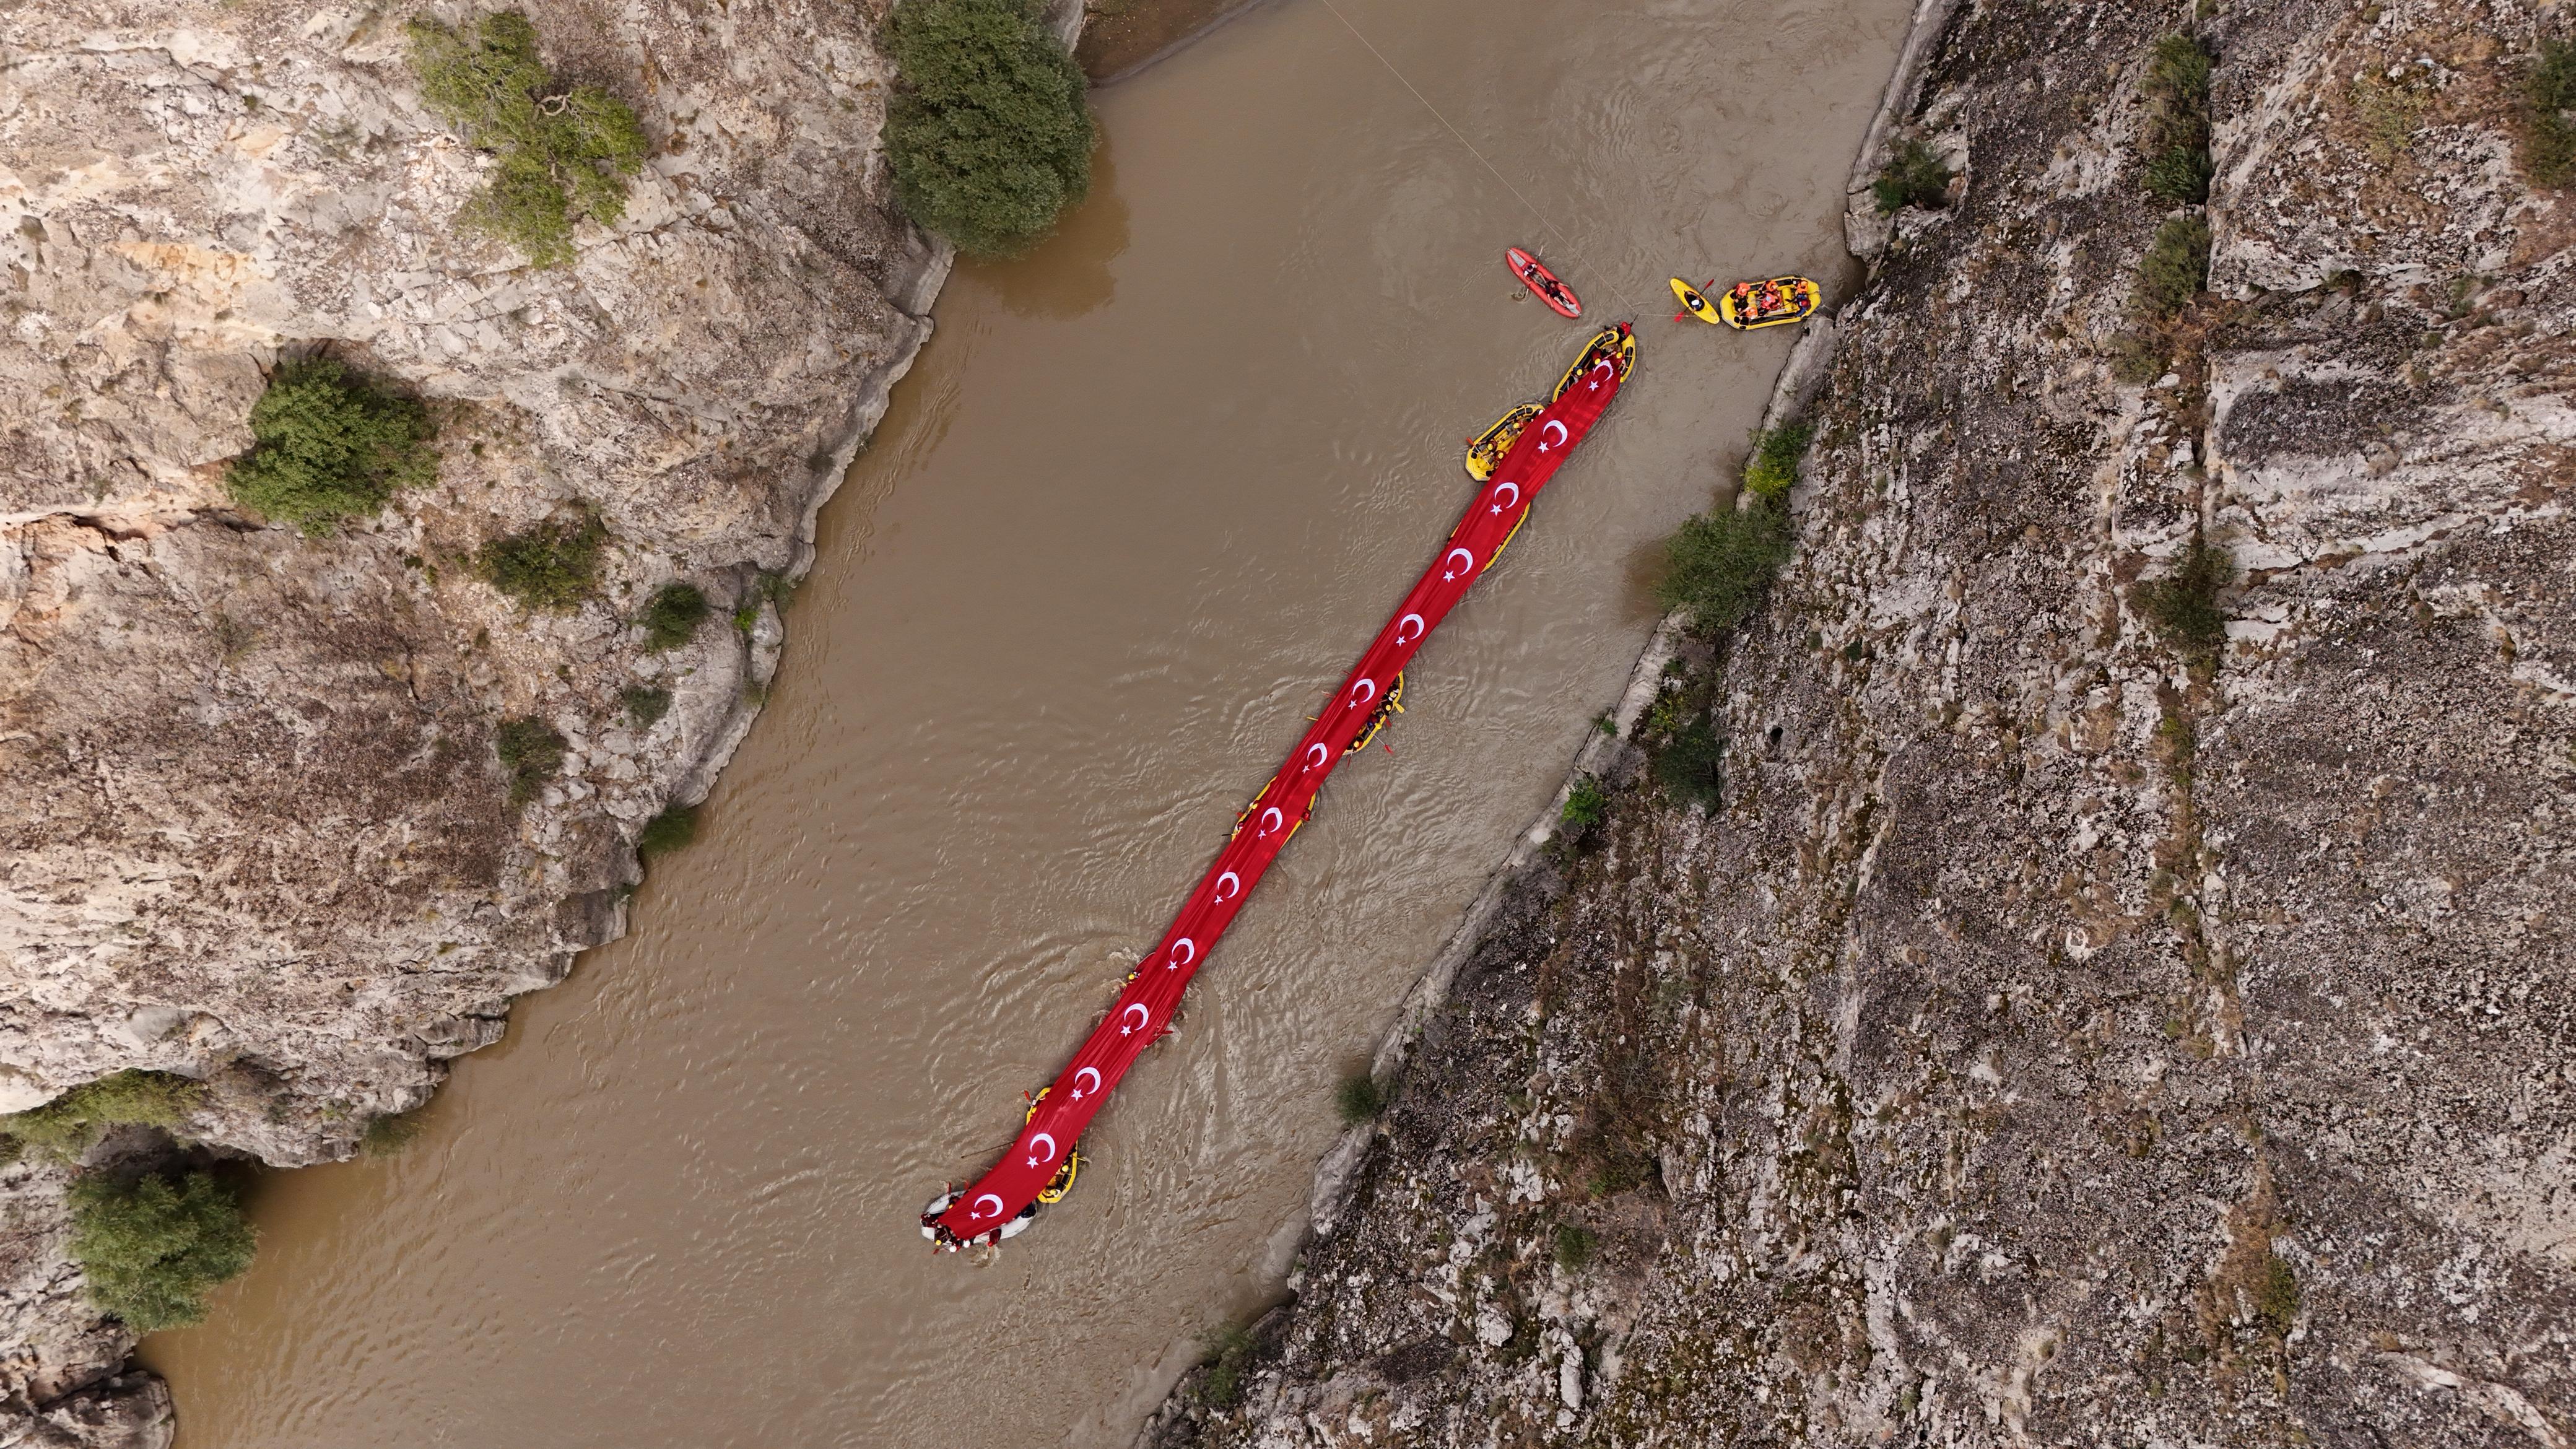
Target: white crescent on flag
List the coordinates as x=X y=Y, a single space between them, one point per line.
x=1561 y=433
x=1093 y=1073
x=1184 y=951
x=1457 y=563
x=1502 y=502
x=1038 y=1154
x=1316 y=755
x=1137 y=1008
x=1271 y=820
x=1418 y=627
x=1222 y=894
x=982 y=1211
x=1364 y=691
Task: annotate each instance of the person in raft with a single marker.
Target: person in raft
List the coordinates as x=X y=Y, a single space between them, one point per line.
x=944 y=1241
x=1550 y=286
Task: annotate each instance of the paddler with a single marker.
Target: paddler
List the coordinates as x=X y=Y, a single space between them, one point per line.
x=941 y=1240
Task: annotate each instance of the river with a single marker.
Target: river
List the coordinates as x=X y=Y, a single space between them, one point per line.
x=1143 y=498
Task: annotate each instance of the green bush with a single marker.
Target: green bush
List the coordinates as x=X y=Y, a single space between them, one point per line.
x=2175 y=138
x=2276 y=1296
x=2183 y=605
x=988 y=132
x=2181 y=176
x=532 y=751
x=645 y=705
x=670 y=830
x=151 y=1248
x=1689 y=764
x=1721 y=564
x=1914 y=176
x=777 y=588
x=2176 y=267
x=553 y=565
x=390 y=1134
x=1586 y=805
x=327 y=446
x=2388 y=115
x=673 y=617
x=2547 y=147
x=1229 y=1364
x=1772 y=470
x=564 y=152
x=1575 y=1245
x=1358 y=1099
x=72 y=1123
x=2137 y=359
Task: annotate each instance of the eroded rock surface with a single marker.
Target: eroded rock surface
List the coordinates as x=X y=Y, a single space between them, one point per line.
x=2050 y=1040
x=252 y=828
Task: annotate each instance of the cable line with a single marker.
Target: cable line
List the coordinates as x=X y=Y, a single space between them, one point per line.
x=1543 y=220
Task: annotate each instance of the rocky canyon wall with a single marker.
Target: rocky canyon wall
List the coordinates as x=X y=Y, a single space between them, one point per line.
x=2058 y=1032
x=252 y=826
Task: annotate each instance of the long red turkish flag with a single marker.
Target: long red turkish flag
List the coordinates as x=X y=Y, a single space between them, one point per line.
x=1144 y=1009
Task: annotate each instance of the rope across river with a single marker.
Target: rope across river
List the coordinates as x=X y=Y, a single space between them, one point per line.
x=1564 y=241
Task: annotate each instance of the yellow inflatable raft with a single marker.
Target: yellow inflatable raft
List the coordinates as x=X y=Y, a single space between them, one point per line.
x=1773 y=303
x=1485 y=450
x=1616 y=343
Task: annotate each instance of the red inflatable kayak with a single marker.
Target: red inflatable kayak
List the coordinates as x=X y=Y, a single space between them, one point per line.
x=1539 y=279
x=1143 y=1011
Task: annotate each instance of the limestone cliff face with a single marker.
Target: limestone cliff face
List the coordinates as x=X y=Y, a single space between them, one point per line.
x=2048 y=1040
x=251 y=824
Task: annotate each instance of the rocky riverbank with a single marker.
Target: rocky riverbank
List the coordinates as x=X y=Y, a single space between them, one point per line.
x=253 y=830
x=2122 y=991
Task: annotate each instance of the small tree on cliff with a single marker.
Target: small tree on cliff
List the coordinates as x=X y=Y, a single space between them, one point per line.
x=564 y=151
x=989 y=134
x=152 y=1247
x=1719 y=565
x=328 y=445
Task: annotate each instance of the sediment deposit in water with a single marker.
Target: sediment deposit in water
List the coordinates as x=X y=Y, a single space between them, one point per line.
x=2057 y=1033
x=253 y=825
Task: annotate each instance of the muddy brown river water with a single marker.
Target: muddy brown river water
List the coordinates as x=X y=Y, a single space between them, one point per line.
x=1143 y=498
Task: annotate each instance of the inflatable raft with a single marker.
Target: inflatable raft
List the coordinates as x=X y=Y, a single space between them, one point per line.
x=1485 y=450
x=1773 y=303
x=1543 y=283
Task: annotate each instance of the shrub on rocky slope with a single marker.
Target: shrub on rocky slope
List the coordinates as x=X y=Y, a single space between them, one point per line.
x=153 y=1246
x=564 y=151
x=1719 y=564
x=989 y=135
x=329 y=445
